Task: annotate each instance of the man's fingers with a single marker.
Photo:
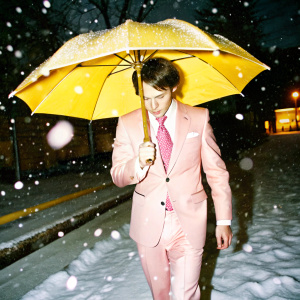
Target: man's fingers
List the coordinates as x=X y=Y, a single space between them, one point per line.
x=225 y=242
x=219 y=242
x=147 y=144
x=146 y=154
x=223 y=236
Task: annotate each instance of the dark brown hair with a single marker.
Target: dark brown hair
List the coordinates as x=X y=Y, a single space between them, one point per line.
x=158 y=72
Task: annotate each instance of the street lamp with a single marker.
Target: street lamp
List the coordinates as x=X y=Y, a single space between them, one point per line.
x=295 y=96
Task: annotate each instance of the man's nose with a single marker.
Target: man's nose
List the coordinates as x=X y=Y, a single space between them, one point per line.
x=154 y=104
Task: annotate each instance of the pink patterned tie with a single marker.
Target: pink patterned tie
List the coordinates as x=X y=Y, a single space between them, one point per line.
x=165 y=145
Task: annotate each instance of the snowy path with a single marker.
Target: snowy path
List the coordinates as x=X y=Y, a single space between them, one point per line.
x=262 y=263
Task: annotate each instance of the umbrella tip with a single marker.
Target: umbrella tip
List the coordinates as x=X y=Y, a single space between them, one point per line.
x=11 y=94
x=242 y=94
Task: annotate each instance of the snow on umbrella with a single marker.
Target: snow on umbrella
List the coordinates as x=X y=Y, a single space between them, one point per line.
x=89 y=77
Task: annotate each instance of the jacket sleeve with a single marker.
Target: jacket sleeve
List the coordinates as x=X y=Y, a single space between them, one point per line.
x=216 y=173
x=123 y=169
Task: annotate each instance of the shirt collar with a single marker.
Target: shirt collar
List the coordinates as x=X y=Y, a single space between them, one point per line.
x=171 y=113
x=170 y=123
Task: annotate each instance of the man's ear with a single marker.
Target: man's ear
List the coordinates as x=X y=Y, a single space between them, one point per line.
x=174 y=88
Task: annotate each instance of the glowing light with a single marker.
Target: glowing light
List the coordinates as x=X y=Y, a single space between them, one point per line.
x=295 y=94
x=267 y=125
x=61 y=234
x=284 y=121
x=239 y=116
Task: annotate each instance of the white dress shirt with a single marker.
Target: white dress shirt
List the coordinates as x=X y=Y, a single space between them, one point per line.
x=170 y=124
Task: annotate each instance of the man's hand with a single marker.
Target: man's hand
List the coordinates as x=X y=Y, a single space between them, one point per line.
x=146 y=154
x=224 y=236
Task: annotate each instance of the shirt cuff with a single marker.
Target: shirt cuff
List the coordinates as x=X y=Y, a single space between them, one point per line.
x=224 y=222
x=140 y=173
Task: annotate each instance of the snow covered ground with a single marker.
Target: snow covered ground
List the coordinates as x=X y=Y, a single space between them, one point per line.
x=262 y=263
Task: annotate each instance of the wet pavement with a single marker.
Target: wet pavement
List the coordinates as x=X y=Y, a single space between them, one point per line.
x=25 y=235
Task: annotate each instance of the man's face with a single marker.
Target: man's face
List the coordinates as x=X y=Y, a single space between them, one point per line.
x=157 y=102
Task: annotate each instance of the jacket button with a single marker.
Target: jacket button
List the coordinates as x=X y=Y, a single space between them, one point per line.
x=167 y=179
x=162 y=203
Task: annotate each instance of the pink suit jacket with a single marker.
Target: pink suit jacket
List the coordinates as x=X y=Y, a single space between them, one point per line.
x=194 y=146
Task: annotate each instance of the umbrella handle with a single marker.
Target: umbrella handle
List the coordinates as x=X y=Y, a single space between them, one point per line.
x=138 y=68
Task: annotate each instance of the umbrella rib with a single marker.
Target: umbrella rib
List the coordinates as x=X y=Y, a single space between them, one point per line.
x=150 y=56
x=176 y=59
x=145 y=52
x=102 y=87
x=112 y=73
x=53 y=90
x=220 y=74
x=210 y=66
x=122 y=58
x=131 y=57
x=87 y=66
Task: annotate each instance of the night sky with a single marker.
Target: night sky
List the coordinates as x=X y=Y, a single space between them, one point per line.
x=281 y=25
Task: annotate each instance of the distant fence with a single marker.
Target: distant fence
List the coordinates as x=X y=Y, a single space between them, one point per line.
x=34 y=151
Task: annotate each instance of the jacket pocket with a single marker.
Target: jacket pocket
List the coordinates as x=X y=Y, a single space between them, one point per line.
x=138 y=198
x=199 y=196
x=195 y=139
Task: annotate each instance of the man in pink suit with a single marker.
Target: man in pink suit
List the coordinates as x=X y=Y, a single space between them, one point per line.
x=169 y=209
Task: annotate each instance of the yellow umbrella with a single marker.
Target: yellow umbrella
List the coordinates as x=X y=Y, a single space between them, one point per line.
x=89 y=77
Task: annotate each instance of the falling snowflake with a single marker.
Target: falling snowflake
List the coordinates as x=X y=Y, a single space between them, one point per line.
x=60 y=135
x=115 y=235
x=19 y=185
x=71 y=283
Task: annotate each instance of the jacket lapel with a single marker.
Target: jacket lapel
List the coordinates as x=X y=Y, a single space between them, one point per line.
x=182 y=126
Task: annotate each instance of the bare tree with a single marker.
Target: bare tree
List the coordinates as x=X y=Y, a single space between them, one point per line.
x=92 y=15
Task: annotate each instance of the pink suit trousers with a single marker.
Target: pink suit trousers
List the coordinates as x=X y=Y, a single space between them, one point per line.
x=172 y=268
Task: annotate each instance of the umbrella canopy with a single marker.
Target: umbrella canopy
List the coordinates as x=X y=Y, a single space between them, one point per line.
x=90 y=75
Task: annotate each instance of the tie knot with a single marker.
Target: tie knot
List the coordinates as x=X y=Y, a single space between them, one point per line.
x=161 y=120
